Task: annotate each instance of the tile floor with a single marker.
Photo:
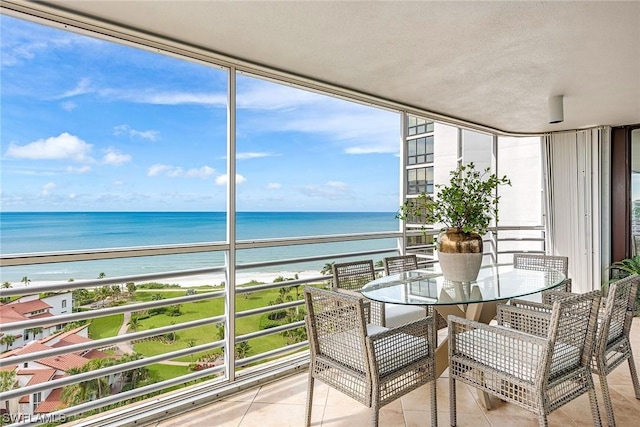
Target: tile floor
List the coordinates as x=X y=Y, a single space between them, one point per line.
x=283 y=404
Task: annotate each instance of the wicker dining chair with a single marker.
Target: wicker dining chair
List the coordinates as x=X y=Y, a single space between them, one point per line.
x=352 y=276
x=402 y=263
x=527 y=261
x=613 y=346
x=537 y=373
x=374 y=368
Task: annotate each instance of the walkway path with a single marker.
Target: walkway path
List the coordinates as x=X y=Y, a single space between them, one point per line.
x=126 y=347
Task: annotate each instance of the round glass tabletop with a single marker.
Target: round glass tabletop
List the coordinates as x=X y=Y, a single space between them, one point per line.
x=428 y=287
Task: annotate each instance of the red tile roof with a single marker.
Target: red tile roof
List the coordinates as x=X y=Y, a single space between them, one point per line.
x=29 y=306
x=38 y=376
x=52 y=402
x=64 y=362
x=10 y=315
x=32 y=347
x=71 y=334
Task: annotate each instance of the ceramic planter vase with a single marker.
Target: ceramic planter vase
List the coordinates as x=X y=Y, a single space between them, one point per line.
x=459 y=254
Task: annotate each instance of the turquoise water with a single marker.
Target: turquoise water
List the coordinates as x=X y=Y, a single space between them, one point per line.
x=27 y=232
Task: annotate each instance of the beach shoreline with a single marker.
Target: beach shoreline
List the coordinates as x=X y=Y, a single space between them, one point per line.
x=214 y=279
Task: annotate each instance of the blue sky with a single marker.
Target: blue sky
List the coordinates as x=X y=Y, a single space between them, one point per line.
x=89 y=125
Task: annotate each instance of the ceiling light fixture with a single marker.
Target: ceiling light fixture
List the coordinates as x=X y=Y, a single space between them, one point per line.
x=556 y=109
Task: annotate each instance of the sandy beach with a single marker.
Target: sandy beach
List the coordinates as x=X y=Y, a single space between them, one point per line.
x=201 y=280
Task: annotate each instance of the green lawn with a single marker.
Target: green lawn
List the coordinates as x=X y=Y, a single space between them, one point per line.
x=108 y=326
x=105 y=327
x=204 y=334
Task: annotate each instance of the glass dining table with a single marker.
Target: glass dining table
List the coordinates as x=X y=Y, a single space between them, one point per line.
x=476 y=300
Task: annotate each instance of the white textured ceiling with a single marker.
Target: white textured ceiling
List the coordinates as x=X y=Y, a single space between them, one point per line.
x=490 y=63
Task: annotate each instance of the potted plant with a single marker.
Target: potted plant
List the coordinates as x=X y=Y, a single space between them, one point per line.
x=624 y=268
x=465 y=207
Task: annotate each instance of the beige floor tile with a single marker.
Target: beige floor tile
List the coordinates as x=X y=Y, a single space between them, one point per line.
x=293 y=391
x=348 y=414
x=278 y=415
x=220 y=414
x=245 y=396
x=283 y=404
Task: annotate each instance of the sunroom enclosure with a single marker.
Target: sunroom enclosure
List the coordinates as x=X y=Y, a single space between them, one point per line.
x=426 y=149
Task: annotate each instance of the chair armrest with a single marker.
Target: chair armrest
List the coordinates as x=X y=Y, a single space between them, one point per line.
x=530 y=305
x=355 y=294
x=553 y=295
x=506 y=350
x=368 y=310
x=531 y=318
x=402 y=346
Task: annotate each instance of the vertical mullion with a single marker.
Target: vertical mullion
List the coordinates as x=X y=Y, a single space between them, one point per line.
x=230 y=256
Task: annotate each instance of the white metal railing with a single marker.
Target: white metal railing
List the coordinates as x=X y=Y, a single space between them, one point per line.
x=217 y=383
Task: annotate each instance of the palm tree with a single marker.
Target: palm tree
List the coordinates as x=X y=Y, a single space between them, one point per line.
x=131 y=288
x=100 y=384
x=242 y=349
x=327 y=269
x=26 y=280
x=134 y=323
x=101 y=276
x=8 y=381
x=116 y=291
x=5 y=285
x=77 y=393
x=191 y=343
x=134 y=375
x=8 y=340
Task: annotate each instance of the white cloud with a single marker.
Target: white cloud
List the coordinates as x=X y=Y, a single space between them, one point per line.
x=178 y=172
x=144 y=96
x=274 y=186
x=25 y=51
x=158 y=169
x=254 y=155
x=113 y=157
x=151 y=135
x=332 y=190
x=255 y=94
x=68 y=105
x=72 y=196
x=223 y=179
x=118 y=183
x=82 y=87
x=202 y=172
x=81 y=169
x=46 y=189
x=61 y=147
x=355 y=128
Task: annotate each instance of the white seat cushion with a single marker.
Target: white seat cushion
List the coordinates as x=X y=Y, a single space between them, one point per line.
x=514 y=357
x=411 y=350
x=399 y=314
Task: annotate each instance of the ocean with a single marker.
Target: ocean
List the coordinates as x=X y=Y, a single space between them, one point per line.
x=31 y=232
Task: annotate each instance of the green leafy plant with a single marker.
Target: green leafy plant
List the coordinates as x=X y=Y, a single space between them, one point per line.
x=469 y=202
x=624 y=268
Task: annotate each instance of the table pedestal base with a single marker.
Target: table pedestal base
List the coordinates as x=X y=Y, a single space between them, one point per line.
x=481 y=312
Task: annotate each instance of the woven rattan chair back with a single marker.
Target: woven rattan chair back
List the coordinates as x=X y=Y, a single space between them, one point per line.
x=373 y=368
x=354 y=275
x=402 y=263
x=613 y=345
x=537 y=373
x=399 y=264
x=541 y=262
